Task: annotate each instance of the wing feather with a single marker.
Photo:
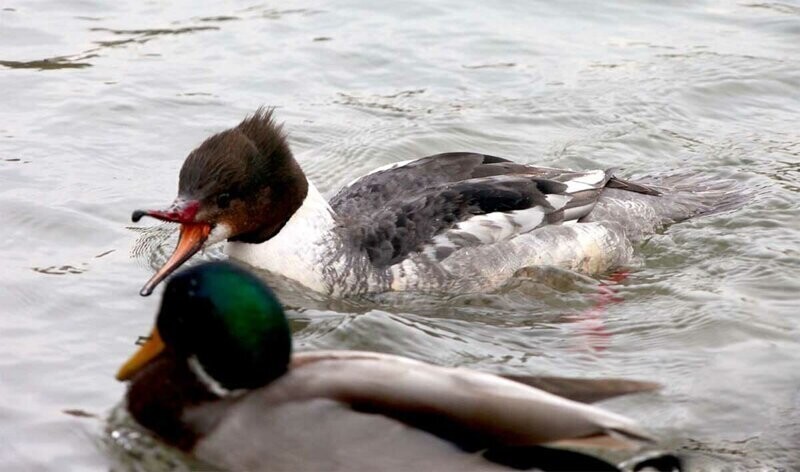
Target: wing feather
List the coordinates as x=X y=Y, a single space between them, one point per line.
x=460 y=404
x=440 y=204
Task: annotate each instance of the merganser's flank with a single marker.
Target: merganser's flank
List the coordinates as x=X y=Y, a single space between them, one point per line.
x=449 y=222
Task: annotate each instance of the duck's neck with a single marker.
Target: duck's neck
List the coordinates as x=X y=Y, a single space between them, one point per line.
x=158 y=396
x=297 y=250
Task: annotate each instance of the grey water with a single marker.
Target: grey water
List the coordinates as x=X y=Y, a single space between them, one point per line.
x=100 y=101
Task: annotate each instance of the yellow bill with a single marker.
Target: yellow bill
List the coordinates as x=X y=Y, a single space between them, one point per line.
x=142 y=357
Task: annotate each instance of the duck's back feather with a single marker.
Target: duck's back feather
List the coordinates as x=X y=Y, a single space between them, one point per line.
x=392 y=400
x=322 y=434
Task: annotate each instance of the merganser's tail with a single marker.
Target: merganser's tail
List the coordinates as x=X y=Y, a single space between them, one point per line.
x=679 y=197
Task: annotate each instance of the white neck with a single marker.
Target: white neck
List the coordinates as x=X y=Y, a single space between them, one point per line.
x=296 y=250
x=314 y=213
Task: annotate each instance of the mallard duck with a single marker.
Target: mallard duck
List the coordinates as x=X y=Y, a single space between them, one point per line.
x=453 y=222
x=217 y=377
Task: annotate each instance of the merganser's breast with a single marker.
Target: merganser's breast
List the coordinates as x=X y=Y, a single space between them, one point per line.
x=299 y=249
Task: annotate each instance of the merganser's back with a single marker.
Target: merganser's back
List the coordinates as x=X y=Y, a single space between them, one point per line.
x=448 y=222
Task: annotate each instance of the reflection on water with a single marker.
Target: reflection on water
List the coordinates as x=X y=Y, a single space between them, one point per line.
x=49 y=63
x=103 y=100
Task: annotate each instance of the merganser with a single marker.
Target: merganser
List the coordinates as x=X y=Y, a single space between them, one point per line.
x=452 y=222
x=217 y=378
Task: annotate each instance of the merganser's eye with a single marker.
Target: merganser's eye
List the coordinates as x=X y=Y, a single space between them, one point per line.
x=223 y=200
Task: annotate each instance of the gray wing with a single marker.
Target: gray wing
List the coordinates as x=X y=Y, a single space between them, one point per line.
x=486 y=406
x=441 y=203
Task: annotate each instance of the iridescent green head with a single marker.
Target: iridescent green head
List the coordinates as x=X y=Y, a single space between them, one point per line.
x=225 y=318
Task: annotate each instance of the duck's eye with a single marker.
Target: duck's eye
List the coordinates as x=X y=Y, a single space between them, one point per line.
x=224 y=200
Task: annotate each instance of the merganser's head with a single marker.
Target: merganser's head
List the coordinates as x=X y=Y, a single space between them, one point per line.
x=242 y=184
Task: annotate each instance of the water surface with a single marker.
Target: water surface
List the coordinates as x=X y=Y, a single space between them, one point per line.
x=102 y=100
